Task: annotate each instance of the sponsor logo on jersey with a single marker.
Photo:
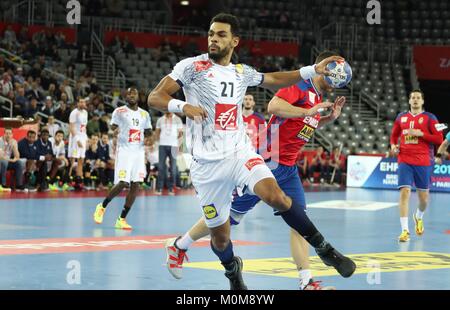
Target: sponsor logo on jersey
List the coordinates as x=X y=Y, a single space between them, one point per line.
x=202 y=65
x=122 y=110
x=306 y=133
x=210 y=211
x=404 y=119
x=421 y=120
x=253 y=162
x=226 y=116
x=143 y=114
x=314 y=122
x=239 y=68
x=210 y=75
x=411 y=139
x=134 y=135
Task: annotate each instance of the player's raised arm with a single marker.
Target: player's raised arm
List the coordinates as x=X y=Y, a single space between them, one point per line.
x=275 y=80
x=282 y=108
x=161 y=99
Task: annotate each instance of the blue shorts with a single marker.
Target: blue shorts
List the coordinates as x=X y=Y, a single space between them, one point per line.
x=289 y=181
x=409 y=175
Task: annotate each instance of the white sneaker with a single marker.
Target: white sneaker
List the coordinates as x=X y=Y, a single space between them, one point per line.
x=175 y=258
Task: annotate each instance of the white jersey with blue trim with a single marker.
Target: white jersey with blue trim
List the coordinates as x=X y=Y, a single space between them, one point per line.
x=220 y=91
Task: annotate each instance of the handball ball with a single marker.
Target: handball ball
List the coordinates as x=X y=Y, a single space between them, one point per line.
x=341 y=74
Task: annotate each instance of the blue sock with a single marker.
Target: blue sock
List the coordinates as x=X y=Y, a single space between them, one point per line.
x=225 y=256
x=297 y=219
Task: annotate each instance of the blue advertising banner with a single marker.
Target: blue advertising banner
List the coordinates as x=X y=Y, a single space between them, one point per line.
x=380 y=172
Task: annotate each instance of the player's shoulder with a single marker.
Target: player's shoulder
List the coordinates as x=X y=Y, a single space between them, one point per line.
x=202 y=59
x=143 y=113
x=121 y=109
x=402 y=114
x=259 y=116
x=430 y=115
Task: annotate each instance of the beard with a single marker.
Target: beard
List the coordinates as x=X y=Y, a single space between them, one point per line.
x=219 y=54
x=247 y=108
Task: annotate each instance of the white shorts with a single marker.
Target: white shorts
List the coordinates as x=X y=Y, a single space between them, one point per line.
x=74 y=150
x=129 y=166
x=215 y=181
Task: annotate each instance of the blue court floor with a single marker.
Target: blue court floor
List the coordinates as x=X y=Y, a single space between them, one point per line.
x=53 y=243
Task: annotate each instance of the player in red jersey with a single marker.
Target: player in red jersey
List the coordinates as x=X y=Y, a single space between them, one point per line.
x=418 y=134
x=254 y=121
x=294 y=120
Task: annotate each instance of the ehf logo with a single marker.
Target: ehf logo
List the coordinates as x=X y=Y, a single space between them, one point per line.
x=226 y=116
x=357 y=172
x=134 y=135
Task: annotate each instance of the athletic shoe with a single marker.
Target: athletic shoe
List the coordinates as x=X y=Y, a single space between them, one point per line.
x=158 y=192
x=233 y=271
x=171 y=193
x=331 y=257
x=419 y=225
x=122 y=224
x=67 y=187
x=175 y=258
x=315 y=285
x=4 y=189
x=98 y=214
x=54 y=187
x=404 y=236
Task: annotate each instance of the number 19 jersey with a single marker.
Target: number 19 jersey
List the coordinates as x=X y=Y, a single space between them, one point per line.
x=131 y=127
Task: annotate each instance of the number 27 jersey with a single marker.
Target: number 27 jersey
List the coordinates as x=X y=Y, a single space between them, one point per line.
x=220 y=91
x=131 y=127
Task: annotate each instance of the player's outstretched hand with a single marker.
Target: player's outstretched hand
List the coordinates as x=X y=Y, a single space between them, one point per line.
x=321 y=67
x=194 y=113
x=394 y=148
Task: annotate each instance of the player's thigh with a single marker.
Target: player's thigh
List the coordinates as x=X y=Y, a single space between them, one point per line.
x=291 y=185
x=422 y=177
x=138 y=169
x=405 y=175
x=214 y=189
x=123 y=167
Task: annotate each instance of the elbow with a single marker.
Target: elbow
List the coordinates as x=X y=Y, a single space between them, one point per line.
x=151 y=99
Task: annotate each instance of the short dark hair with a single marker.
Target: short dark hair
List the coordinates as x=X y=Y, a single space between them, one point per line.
x=45 y=131
x=325 y=54
x=32 y=132
x=59 y=131
x=8 y=128
x=229 y=19
x=417 y=91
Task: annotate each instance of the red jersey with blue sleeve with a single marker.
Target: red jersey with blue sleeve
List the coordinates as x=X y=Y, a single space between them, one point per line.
x=417 y=151
x=254 y=123
x=286 y=137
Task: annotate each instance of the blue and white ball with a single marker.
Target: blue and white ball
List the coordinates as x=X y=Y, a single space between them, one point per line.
x=341 y=74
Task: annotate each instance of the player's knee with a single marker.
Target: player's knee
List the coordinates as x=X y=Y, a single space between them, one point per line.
x=278 y=200
x=220 y=242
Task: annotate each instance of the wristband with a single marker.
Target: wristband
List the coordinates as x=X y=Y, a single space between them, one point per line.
x=176 y=106
x=308 y=72
x=438 y=155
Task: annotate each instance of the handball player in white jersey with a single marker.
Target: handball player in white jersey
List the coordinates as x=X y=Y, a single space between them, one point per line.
x=133 y=126
x=223 y=158
x=77 y=140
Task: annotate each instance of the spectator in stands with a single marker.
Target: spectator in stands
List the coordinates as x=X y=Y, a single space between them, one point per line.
x=21 y=104
x=93 y=125
x=23 y=35
x=70 y=72
x=337 y=164
x=67 y=89
x=60 y=163
x=191 y=48
x=92 y=162
x=18 y=77
x=30 y=111
x=84 y=56
x=44 y=156
x=5 y=84
x=3 y=64
x=318 y=164
x=9 y=37
x=60 y=40
x=100 y=110
x=128 y=47
x=51 y=91
x=34 y=92
x=28 y=153
x=106 y=169
x=48 y=108
x=52 y=127
x=104 y=123
x=10 y=159
x=169 y=129
x=62 y=113
x=116 y=46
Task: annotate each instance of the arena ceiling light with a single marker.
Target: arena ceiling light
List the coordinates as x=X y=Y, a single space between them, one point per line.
x=184 y=2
